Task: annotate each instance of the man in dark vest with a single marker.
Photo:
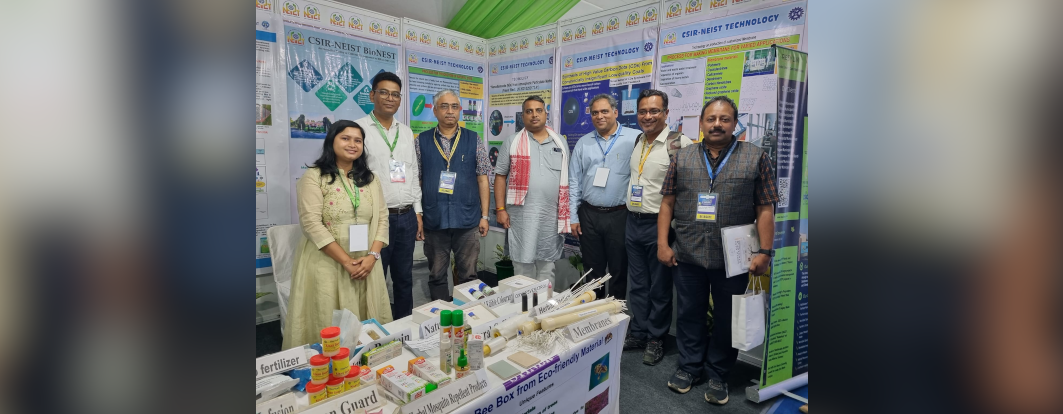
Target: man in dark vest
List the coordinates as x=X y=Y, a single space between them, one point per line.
x=720 y=182
x=454 y=195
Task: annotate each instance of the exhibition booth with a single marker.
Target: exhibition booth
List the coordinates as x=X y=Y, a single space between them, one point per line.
x=528 y=347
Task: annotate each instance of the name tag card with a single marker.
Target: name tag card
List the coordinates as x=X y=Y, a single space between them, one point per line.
x=636 y=196
x=358 y=401
x=282 y=404
x=446 y=181
x=359 y=238
x=601 y=176
x=485 y=329
x=451 y=397
x=279 y=362
x=706 y=207
x=403 y=335
x=397 y=169
x=430 y=328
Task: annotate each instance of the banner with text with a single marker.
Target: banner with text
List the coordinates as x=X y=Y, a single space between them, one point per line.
x=329 y=71
x=611 y=52
x=271 y=138
x=786 y=335
x=730 y=56
x=440 y=59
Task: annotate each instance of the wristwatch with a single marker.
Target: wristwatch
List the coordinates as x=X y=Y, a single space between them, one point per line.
x=484 y=218
x=768 y=252
x=375 y=254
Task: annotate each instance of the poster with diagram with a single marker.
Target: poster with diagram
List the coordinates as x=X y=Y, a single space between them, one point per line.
x=271 y=139
x=439 y=59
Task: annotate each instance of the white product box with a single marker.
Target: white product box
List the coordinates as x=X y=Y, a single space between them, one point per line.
x=478 y=315
x=474 y=352
x=516 y=283
x=463 y=294
x=424 y=313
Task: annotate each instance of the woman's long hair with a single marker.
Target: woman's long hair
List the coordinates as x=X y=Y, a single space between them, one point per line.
x=359 y=173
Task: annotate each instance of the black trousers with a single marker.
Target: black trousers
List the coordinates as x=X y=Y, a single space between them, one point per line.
x=703 y=353
x=650 y=297
x=602 y=246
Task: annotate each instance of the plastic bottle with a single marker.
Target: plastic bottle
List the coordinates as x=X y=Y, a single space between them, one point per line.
x=352 y=380
x=457 y=334
x=444 y=341
x=462 y=368
x=486 y=289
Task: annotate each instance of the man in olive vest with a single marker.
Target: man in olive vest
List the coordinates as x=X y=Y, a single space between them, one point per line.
x=720 y=182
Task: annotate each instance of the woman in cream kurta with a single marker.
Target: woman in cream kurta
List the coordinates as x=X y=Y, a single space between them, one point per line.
x=320 y=285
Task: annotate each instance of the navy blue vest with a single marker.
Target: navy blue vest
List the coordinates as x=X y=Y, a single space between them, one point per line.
x=460 y=210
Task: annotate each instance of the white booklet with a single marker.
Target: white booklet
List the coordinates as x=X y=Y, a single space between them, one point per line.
x=739 y=244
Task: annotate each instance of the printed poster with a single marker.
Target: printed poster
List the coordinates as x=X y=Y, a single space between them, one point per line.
x=329 y=77
x=439 y=59
x=608 y=53
x=271 y=139
x=786 y=336
x=730 y=56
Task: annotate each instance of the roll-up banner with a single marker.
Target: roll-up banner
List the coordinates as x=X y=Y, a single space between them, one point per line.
x=440 y=59
x=271 y=137
x=332 y=51
x=608 y=52
x=521 y=65
x=786 y=337
x=725 y=50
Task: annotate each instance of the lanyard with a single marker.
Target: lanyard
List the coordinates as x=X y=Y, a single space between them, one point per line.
x=356 y=198
x=452 y=147
x=645 y=156
x=384 y=134
x=605 y=151
x=712 y=173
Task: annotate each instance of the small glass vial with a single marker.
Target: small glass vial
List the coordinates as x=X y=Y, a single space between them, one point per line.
x=486 y=289
x=334 y=386
x=475 y=294
x=330 y=341
x=319 y=369
x=341 y=363
x=316 y=392
x=352 y=380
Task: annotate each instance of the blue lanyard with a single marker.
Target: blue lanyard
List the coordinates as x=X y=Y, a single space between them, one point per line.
x=605 y=151
x=712 y=174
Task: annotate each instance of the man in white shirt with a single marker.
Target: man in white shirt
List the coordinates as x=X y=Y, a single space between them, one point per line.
x=650 y=299
x=389 y=146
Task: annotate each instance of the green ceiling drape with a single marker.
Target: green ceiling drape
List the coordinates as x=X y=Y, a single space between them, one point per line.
x=493 y=18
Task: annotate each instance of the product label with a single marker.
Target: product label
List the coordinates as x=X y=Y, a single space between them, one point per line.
x=280 y=362
x=589 y=327
x=366 y=399
x=282 y=404
x=444 y=400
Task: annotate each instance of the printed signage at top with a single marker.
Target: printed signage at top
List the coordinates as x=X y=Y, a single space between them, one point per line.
x=428 y=38
x=676 y=10
x=348 y=20
x=634 y=17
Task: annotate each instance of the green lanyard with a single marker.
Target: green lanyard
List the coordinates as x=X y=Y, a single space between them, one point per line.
x=356 y=198
x=384 y=134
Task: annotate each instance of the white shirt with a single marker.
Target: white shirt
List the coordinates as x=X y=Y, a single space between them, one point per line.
x=395 y=194
x=653 y=171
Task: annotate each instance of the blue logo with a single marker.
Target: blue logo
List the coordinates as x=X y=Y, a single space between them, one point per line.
x=796 y=13
x=551 y=60
x=265 y=24
x=480 y=69
x=648 y=47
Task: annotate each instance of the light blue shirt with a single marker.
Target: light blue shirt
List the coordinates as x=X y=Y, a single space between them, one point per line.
x=591 y=152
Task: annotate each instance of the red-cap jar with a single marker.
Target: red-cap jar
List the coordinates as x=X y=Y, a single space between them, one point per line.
x=334 y=386
x=353 y=379
x=319 y=369
x=341 y=363
x=330 y=341
x=316 y=392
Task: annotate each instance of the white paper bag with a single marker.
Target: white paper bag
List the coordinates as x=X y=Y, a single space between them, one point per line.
x=747 y=319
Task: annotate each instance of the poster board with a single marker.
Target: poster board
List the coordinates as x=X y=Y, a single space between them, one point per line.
x=440 y=59
x=332 y=51
x=271 y=138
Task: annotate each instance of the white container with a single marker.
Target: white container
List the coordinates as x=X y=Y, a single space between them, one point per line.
x=431 y=310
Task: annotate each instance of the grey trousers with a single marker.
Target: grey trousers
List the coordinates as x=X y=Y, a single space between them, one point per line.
x=438 y=244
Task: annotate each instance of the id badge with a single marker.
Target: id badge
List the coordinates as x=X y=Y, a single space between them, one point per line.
x=601 y=175
x=359 y=238
x=707 y=206
x=636 y=196
x=398 y=171
x=446 y=181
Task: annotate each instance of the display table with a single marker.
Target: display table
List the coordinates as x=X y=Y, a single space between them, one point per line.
x=584 y=378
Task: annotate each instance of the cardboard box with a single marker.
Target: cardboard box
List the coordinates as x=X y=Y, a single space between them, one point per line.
x=428 y=372
x=402 y=385
x=462 y=295
x=382 y=354
x=474 y=351
x=424 y=313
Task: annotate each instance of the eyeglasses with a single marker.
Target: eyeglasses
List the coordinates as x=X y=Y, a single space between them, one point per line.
x=654 y=112
x=384 y=93
x=447 y=107
x=602 y=112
